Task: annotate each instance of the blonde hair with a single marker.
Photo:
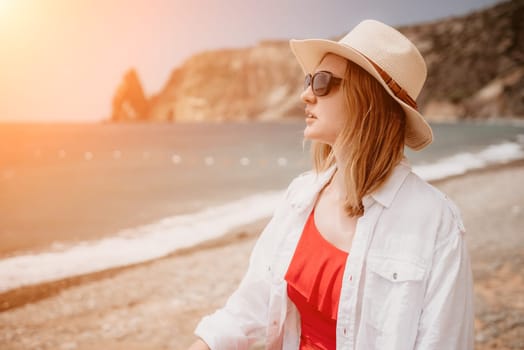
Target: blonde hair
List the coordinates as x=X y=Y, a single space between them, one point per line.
x=372 y=138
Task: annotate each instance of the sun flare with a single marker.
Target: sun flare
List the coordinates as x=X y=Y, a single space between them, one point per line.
x=4 y=4
x=6 y=8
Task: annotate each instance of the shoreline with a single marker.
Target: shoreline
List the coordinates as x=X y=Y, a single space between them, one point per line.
x=129 y=180
x=505 y=120
x=487 y=169
x=20 y=296
x=157 y=304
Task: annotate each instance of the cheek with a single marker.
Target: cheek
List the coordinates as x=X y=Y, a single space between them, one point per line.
x=340 y=115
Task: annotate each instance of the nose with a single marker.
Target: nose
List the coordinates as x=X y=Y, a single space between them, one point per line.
x=307 y=95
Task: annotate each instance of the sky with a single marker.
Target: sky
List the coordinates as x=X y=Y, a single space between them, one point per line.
x=62 y=60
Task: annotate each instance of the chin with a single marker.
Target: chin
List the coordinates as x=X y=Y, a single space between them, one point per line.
x=315 y=137
x=309 y=135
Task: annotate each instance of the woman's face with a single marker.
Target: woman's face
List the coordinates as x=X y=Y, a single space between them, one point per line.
x=329 y=111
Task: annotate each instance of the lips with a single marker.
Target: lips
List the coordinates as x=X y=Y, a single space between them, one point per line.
x=310 y=115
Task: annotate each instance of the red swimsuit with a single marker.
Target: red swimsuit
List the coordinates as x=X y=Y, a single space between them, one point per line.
x=314 y=280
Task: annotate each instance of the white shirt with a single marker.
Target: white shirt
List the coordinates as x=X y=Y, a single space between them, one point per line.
x=407 y=282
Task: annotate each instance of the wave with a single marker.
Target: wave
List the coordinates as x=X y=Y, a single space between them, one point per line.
x=460 y=163
x=135 y=245
x=182 y=231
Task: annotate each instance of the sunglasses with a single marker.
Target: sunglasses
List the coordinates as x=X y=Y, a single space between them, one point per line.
x=321 y=82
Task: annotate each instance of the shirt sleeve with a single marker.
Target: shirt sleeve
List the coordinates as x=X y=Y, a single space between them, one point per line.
x=243 y=320
x=447 y=319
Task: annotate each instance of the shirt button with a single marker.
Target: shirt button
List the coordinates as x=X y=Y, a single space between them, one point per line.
x=395 y=275
x=345 y=331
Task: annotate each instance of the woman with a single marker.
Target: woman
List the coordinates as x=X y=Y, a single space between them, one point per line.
x=361 y=253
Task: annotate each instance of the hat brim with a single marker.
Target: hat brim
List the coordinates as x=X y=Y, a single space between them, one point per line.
x=309 y=52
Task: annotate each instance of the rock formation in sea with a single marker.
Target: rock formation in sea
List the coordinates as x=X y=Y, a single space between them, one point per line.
x=129 y=101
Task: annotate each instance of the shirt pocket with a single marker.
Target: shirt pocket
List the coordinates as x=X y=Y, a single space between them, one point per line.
x=393 y=292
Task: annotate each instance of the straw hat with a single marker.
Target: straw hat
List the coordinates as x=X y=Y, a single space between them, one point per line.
x=388 y=56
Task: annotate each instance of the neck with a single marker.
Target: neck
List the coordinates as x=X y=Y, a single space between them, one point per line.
x=337 y=184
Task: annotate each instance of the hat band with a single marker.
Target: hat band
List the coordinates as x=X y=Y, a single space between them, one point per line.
x=395 y=87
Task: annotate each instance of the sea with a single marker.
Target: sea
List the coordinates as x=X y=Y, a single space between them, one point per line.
x=79 y=198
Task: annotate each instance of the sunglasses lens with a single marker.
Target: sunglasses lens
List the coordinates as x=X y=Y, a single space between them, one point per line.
x=307 y=81
x=321 y=83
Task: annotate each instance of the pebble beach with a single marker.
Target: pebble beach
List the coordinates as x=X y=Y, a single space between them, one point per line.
x=156 y=305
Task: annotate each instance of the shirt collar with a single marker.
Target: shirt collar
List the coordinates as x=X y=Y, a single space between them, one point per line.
x=383 y=195
x=387 y=192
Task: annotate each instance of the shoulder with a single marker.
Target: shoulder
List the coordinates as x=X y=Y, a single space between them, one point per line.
x=430 y=206
x=305 y=186
x=303 y=179
x=428 y=197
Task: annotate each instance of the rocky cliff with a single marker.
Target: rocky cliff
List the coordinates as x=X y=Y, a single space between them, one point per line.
x=253 y=83
x=475 y=63
x=475 y=70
